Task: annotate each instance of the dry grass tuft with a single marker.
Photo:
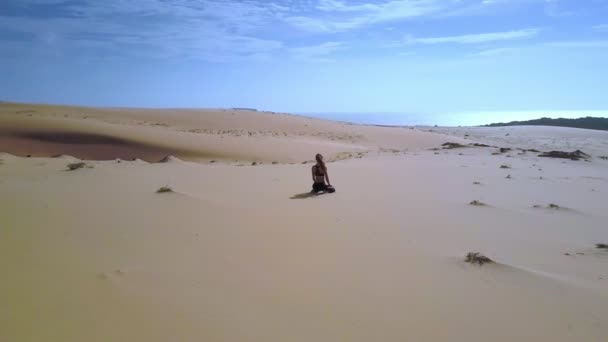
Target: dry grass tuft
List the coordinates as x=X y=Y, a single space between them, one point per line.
x=576 y=155
x=477 y=258
x=602 y=245
x=451 y=145
x=478 y=203
x=549 y=206
x=76 y=166
x=505 y=166
x=164 y=189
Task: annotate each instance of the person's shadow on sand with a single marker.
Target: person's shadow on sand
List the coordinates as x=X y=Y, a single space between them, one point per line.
x=305 y=195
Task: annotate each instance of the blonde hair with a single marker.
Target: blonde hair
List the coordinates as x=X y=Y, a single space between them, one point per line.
x=320 y=161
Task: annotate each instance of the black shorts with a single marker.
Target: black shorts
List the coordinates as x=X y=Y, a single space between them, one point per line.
x=316 y=187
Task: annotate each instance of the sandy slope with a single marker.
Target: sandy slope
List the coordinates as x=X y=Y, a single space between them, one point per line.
x=200 y=135
x=242 y=254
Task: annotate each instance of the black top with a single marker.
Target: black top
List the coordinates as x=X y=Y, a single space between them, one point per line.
x=318 y=171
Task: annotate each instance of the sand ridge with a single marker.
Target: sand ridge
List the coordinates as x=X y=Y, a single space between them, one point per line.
x=200 y=135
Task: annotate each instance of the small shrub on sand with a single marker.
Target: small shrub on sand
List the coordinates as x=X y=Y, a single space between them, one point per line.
x=76 y=166
x=477 y=203
x=576 y=155
x=164 y=189
x=505 y=167
x=602 y=246
x=275 y=162
x=477 y=183
x=604 y=157
x=254 y=163
x=451 y=145
x=549 y=206
x=477 y=258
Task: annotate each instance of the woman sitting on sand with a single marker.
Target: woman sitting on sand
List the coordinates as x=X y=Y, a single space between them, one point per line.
x=319 y=176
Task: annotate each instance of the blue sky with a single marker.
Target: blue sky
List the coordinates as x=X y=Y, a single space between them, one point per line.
x=414 y=56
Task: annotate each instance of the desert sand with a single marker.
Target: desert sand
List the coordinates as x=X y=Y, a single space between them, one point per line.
x=242 y=252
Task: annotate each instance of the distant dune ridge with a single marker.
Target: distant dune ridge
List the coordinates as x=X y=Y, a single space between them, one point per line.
x=218 y=238
x=586 y=122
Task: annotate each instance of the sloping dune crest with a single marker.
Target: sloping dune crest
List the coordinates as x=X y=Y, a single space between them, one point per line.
x=200 y=135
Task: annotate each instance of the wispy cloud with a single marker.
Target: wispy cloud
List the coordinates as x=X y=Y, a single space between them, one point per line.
x=496 y=52
x=335 y=16
x=578 y=44
x=333 y=5
x=210 y=29
x=338 y=16
x=238 y=30
x=316 y=53
x=477 y=38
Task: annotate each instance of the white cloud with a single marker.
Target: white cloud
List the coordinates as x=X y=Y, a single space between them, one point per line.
x=477 y=38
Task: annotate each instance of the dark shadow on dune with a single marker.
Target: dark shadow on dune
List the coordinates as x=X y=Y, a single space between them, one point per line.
x=41 y=143
x=304 y=195
x=74 y=138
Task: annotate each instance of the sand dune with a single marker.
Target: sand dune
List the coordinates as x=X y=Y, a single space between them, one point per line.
x=199 y=135
x=240 y=253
